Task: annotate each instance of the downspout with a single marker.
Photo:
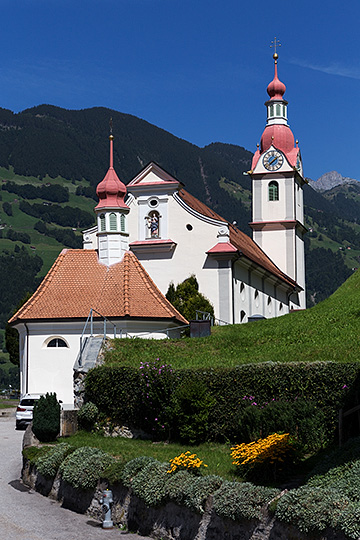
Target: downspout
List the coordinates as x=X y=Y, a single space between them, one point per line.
x=26 y=366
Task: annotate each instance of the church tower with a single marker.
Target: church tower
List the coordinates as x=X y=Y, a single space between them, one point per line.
x=111 y=214
x=277 y=192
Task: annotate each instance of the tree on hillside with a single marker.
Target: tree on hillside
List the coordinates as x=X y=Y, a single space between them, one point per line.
x=12 y=336
x=187 y=299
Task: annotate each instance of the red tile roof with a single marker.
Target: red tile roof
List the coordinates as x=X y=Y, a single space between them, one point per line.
x=241 y=241
x=77 y=282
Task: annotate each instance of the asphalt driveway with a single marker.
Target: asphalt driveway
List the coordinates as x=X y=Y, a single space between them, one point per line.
x=27 y=515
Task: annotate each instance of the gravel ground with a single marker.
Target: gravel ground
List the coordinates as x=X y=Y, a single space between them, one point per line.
x=27 y=515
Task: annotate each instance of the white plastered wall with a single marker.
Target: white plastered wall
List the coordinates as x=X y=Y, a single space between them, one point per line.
x=50 y=369
x=188 y=257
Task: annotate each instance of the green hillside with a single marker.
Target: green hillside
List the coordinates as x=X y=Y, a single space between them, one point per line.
x=327 y=332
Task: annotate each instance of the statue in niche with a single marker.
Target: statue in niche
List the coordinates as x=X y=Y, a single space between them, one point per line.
x=153 y=224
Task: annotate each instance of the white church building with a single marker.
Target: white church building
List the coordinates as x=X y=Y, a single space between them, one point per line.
x=151 y=233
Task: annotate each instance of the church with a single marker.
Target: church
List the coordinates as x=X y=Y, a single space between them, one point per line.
x=152 y=232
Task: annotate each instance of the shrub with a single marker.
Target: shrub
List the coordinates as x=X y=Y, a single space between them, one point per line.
x=344 y=478
x=264 y=458
x=49 y=463
x=239 y=501
x=156 y=387
x=46 y=418
x=116 y=393
x=186 y=461
x=149 y=484
x=311 y=509
x=134 y=466
x=178 y=485
x=192 y=404
x=87 y=415
x=85 y=466
x=113 y=473
x=184 y=489
x=200 y=489
x=349 y=521
x=300 y=418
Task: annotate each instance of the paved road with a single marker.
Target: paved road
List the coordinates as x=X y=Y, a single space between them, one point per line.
x=27 y=515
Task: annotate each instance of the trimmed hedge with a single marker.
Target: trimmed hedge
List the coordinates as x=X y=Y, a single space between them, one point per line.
x=225 y=395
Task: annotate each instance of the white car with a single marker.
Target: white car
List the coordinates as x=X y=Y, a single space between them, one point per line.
x=24 y=411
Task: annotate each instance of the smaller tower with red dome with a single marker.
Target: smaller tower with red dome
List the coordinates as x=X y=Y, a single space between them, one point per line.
x=277 y=191
x=111 y=213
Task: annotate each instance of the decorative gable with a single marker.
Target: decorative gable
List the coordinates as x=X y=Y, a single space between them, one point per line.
x=153 y=175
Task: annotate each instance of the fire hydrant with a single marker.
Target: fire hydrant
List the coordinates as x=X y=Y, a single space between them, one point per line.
x=106 y=501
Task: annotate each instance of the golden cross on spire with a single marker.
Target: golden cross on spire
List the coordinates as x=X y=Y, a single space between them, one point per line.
x=274 y=44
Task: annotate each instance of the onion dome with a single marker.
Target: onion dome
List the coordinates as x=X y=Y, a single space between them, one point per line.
x=277 y=131
x=279 y=136
x=276 y=89
x=111 y=191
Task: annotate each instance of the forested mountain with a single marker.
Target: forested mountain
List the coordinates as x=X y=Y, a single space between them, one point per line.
x=51 y=159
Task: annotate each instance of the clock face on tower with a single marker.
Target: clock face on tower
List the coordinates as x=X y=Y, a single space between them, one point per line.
x=273 y=160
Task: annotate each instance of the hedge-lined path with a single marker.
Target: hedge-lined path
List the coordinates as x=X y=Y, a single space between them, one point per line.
x=27 y=515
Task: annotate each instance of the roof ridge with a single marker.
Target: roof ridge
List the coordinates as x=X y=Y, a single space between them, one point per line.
x=126 y=283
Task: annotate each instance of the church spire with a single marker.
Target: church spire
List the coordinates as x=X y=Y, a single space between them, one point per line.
x=111 y=191
x=277 y=132
x=111 y=214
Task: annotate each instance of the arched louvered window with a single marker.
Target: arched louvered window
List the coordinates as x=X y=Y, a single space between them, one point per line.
x=113 y=224
x=273 y=191
x=102 y=222
x=122 y=223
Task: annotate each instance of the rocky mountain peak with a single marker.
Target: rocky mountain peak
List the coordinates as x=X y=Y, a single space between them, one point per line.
x=329 y=180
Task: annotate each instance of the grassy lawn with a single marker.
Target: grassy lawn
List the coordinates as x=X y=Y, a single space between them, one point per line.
x=8 y=403
x=328 y=331
x=216 y=456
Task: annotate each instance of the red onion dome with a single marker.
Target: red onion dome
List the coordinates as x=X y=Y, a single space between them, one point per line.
x=276 y=89
x=278 y=135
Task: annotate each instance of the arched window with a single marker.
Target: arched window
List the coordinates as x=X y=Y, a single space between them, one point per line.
x=102 y=222
x=273 y=191
x=122 y=223
x=113 y=224
x=57 y=342
x=153 y=224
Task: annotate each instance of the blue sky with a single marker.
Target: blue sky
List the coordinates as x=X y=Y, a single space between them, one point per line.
x=197 y=68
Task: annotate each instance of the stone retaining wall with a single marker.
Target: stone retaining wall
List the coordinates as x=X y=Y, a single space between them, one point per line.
x=168 y=522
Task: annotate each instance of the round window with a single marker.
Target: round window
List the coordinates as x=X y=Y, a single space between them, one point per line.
x=153 y=202
x=189 y=227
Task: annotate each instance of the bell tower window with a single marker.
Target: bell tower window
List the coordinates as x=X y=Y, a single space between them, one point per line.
x=122 y=223
x=273 y=191
x=102 y=222
x=113 y=224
